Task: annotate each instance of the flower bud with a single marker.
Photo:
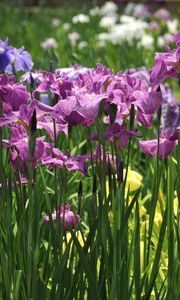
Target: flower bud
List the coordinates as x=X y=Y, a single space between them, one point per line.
x=33 y=123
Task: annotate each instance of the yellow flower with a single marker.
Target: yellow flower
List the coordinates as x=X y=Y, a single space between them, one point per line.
x=68 y=238
x=158 y=219
x=142 y=211
x=176 y=205
x=161 y=197
x=134 y=180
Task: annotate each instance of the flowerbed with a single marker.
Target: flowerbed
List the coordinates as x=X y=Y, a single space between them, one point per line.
x=89 y=188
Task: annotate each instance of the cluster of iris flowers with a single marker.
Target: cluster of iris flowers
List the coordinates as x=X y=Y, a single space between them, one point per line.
x=57 y=101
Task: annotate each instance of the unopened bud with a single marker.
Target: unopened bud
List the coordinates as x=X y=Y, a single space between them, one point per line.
x=33 y=123
x=94 y=189
x=32 y=82
x=80 y=190
x=51 y=66
x=120 y=172
x=112 y=113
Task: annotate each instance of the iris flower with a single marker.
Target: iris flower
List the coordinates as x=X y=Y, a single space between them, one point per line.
x=166 y=64
x=66 y=217
x=13 y=59
x=4 y=55
x=167 y=143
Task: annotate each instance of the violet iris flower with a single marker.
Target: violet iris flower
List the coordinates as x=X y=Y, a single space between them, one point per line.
x=14 y=60
x=4 y=55
x=44 y=152
x=167 y=143
x=20 y=150
x=22 y=119
x=66 y=217
x=142 y=74
x=55 y=83
x=147 y=104
x=170 y=116
x=166 y=64
x=18 y=145
x=72 y=72
x=125 y=90
x=95 y=80
x=118 y=134
x=170 y=106
x=20 y=60
x=12 y=95
x=24 y=115
x=71 y=163
x=153 y=25
x=48 y=125
x=81 y=108
x=177 y=39
x=36 y=76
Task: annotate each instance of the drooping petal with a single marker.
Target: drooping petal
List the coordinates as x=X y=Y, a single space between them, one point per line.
x=150 y=147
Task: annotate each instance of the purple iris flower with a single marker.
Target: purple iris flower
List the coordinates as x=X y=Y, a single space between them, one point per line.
x=24 y=115
x=118 y=134
x=47 y=124
x=21 y=152
x=36 y=75
x=71 y=163
x=170 y=117
x=170 y=106
x=66 y=217
x=55 y=83
x=125 y=89
x=147 y=104
x=20 y=60
x=95 y=80
x=72 y=72
x=18 y=146
x=13 y=95
x=14 y=60
x=177 y=39
x=166 y=64
x=167 y=143
x=142 y=74
x=4 y=55
x=44 y=152
x=81 y=108
x=142 y=11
